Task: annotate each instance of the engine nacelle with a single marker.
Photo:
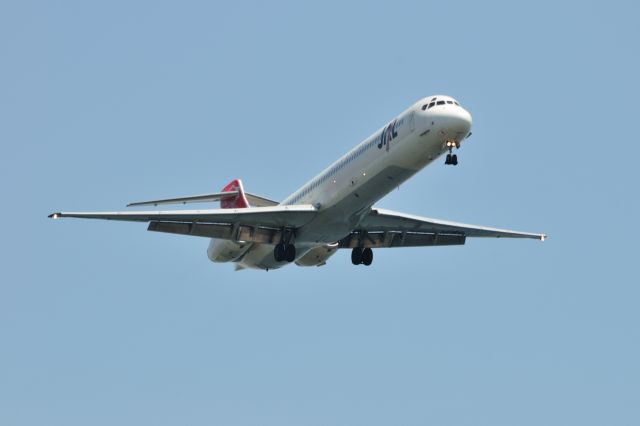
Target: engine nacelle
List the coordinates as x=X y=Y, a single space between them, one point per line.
x=318 y=256
x=225 y=250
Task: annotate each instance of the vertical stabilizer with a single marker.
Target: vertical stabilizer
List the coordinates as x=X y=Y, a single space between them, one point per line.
x=238 y=201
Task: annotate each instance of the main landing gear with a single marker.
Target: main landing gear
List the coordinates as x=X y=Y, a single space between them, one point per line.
x=284 y=252
x=452 y=158
x=362 y=256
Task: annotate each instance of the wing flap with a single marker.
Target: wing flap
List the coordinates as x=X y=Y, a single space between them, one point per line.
x=219 y=230
x=210 y=230
x=399 y=239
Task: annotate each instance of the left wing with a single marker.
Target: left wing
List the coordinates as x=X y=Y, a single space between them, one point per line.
x=256 y=224
x=386 y=228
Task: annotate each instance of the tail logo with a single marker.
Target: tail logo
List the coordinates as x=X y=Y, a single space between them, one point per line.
x=237 y=201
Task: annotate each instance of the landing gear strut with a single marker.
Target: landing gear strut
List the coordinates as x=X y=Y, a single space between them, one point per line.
x=284 y=252
x=452 y=158
x=362 y=256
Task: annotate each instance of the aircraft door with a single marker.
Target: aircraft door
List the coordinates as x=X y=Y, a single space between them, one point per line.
x=411 y=123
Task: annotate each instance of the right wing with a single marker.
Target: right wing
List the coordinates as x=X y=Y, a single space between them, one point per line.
x=386 y=228
x=255 y=224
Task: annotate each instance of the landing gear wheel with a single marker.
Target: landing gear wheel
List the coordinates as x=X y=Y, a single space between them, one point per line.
x=279 y=252
x=367 y=256
x=448 y=160
x=284 y=252
x=290 y=253
x=356 y=255
x=454 y=159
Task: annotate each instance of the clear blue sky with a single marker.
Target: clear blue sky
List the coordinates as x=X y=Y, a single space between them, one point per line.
x=103 y=323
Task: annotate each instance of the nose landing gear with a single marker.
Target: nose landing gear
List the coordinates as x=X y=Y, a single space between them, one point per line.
x=452 y=158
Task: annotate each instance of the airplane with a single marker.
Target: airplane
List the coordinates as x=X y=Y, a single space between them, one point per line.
x=335 y=209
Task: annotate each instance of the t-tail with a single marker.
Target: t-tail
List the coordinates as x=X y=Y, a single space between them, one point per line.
x=231 y=197
x=236 y=201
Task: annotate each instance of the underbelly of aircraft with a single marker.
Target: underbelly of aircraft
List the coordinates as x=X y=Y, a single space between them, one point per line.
x=341 y=216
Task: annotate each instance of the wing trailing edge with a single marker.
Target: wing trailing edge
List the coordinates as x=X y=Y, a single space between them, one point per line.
x=387 y=228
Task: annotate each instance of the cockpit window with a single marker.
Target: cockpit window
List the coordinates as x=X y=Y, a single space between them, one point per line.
x=435 y=102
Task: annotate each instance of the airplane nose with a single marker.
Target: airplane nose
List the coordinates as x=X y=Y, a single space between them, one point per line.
x=459 y=123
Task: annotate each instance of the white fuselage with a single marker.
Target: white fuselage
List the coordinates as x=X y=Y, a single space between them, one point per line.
x=347 y=189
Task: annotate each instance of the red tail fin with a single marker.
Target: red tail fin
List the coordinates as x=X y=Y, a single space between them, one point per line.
x=238 y=201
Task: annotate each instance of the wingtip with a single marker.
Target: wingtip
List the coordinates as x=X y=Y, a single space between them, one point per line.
x=55 y=215
x=543 y=237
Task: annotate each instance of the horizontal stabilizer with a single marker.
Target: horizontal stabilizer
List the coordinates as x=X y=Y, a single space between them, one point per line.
x=258 y=201
x=204 y=198
x=400 y=239
x=254 y=200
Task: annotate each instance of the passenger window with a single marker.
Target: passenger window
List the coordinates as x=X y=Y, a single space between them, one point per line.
x=440 y=102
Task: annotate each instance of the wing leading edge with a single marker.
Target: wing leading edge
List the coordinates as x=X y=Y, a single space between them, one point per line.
x=275 y=217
